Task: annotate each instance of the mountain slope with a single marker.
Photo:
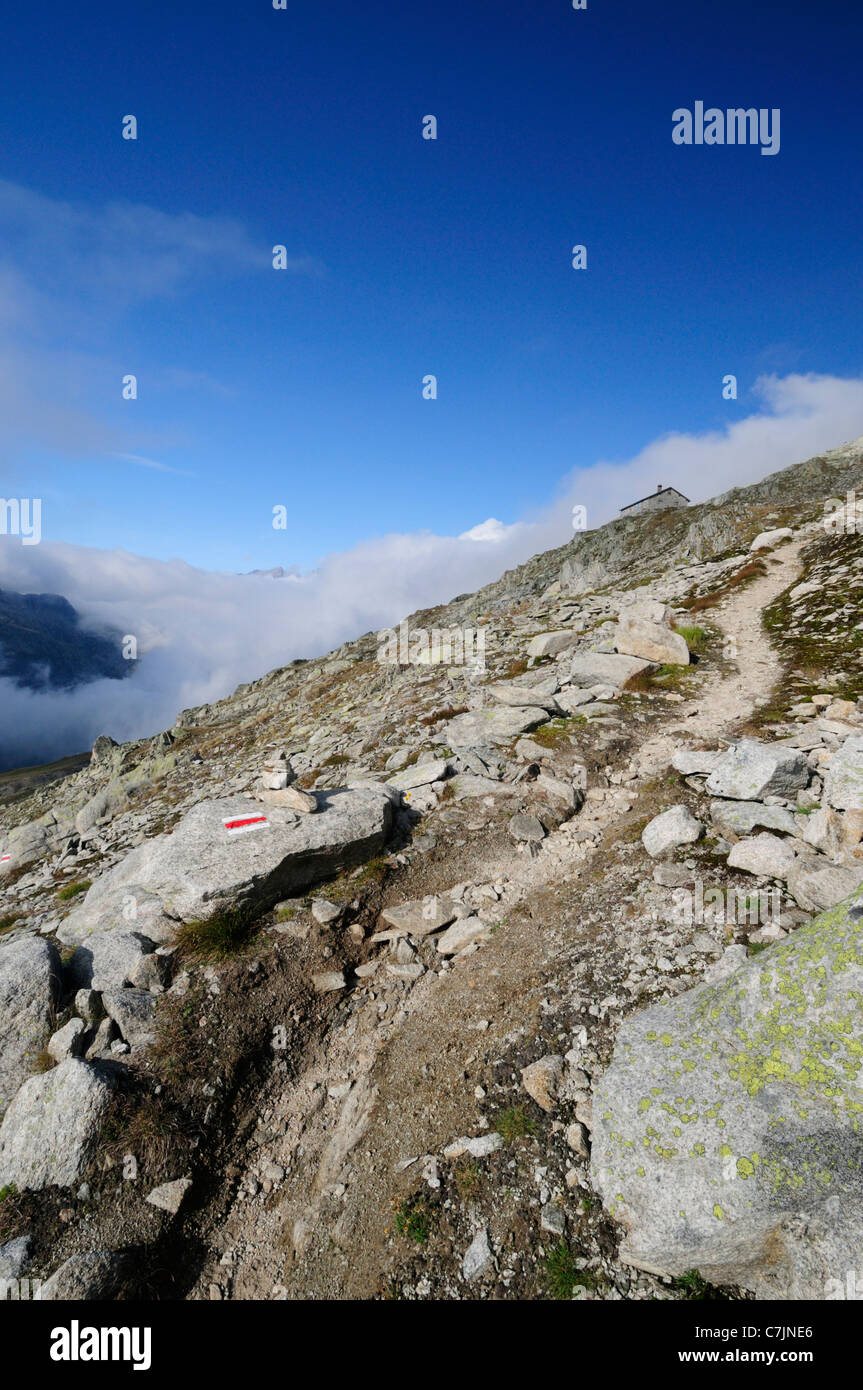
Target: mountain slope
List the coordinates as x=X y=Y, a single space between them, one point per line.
x=376 y=1110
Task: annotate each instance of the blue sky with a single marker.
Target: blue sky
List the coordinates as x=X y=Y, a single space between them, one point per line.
x=303 y=127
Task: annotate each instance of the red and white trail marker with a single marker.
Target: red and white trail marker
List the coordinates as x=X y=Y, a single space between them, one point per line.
x=4 y=858
x=238 y=825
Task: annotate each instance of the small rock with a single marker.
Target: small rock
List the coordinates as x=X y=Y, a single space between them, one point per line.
x=85 y=1277
x=462 y=934
x=480 y=1147
x=88 y=1004
x=542 y=1080
x=553 y=1218
x=328 y=981
x=676 y=826
x=68 y=1041
x=528 y=828
x=13 y=1257
x=576 y=1138
x=478 y=1257
x=169 y=1196
x=325 y=912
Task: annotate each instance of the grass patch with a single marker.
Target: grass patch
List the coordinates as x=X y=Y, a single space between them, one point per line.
x=693 y=1284
x=557 y=733
x=180 y=1050
x=514 y=1123
x=467 y=1180
x=372 y=872
x=515 y=668
x=665 y=677
x=336 y=760
x=348 y=885
x=414 y=1219
x=215 y=938
x=7 y=923
x=149 y=1130
x=72 y=890
x=448 y=712
x=43 y=1061
x=694 y=637
x=561 y=1274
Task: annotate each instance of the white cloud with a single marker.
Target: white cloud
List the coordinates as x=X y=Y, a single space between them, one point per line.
x=801 y=415
x=202 y=633
x=491 y=530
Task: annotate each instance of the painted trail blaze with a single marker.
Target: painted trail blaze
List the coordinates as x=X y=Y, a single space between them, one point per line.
x=238 y=825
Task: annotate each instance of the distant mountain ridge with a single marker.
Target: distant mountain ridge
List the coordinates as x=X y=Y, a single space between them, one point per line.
x=44 y=647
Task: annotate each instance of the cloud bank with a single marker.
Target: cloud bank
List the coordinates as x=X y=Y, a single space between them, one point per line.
x=201 y=633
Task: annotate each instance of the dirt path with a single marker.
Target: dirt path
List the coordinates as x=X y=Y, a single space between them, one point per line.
x=749 y=673
x=410 y=1070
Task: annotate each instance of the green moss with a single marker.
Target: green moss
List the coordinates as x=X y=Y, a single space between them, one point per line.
x=514 y=1123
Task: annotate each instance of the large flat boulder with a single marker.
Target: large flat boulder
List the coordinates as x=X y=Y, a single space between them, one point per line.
x=495 y=725
x=30 y=975
x=606 y=668
x=815 y=884
x=419 y=775
x=764 y=855
x=750 y=770
x=108 y=961
x=739 y=818
x=540 y=695
x=727 y=1127
x=552 y=643
x=28 y=843
x=637 y=634
x=766 y=540
x=50 y=1128
x=203 y=865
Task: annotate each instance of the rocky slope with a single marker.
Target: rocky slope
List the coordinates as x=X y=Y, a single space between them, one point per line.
x=355 y=983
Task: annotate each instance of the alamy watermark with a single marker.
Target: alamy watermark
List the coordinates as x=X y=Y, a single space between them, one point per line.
x=77 y=1343
x=734 y=126
x=843 y=518
x=21 y=516
x=419 y=646
x=19 y=1290
x=851 y=1288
